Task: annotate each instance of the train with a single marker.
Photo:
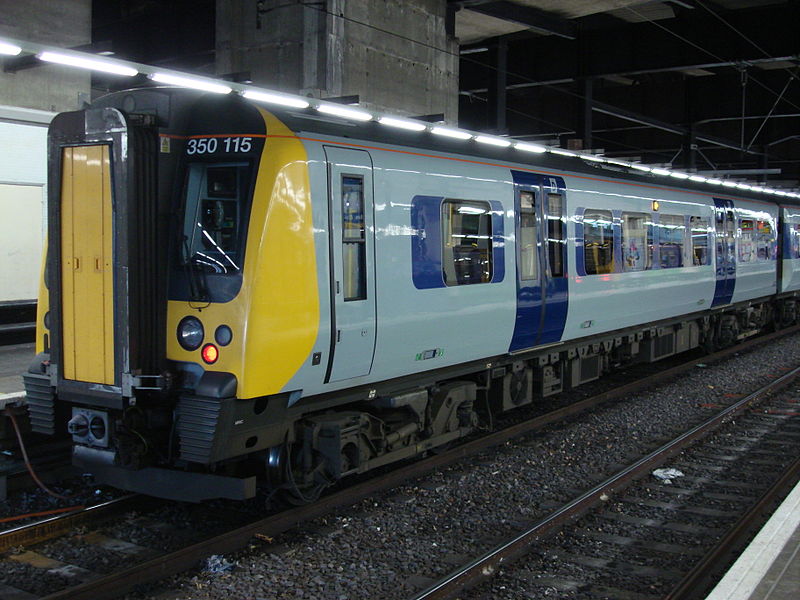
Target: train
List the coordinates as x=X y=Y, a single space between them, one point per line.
x=239 y=297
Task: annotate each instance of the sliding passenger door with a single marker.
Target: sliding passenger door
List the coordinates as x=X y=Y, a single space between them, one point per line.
x=725 y=221
x=539 y=205
x=352 y=238
x=529 y=268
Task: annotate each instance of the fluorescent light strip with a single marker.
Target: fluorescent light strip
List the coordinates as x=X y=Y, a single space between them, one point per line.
x=593 y=157
x=530 y=147
x=402 y=123
x=620 y=163
x=191 y=82
x=561 y=152
x=344 y=112
x=699 y=179
x=10 y=49
x=730 y=183
x=663 y=172
x=644 y=168
x=270 y=98
x=451 y=133
x=679 y=175
x=492 y=141
x=87 y=63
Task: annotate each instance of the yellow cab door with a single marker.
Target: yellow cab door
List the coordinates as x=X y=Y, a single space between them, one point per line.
x=87 y=286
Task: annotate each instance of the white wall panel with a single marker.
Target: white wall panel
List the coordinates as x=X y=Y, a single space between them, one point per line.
x=21 y=232
x=23 y=181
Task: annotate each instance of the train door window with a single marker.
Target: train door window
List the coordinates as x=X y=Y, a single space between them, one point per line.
x=528 y=260
x=765 y=240
x=747 y=246
x=467 y=242
x=637 y=242
x=699 y=232
x=555 y=234
x=598 y=241
x=353 y=239
x=671 y=230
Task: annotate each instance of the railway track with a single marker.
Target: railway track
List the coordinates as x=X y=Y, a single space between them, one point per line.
x=151 y=565
x=610 y=538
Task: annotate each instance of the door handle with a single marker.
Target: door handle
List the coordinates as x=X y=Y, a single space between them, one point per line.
x=338 y=335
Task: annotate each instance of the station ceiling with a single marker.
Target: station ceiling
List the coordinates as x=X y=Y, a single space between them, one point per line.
x=707 y=85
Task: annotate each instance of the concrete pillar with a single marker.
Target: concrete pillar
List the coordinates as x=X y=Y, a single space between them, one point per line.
x=396 y=56
x=65 y=23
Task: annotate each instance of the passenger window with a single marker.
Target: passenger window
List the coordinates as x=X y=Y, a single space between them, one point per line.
x=527 y=237
x=747 y=247
x=670 y=241
x=598 y=242
x=637 y=242
x=555 y=234
x=700 y=253
x=765 y=240
x=795 y=241
x=467 y=242
x=353 y=239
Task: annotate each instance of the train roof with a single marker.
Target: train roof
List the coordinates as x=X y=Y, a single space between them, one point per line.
x=173 y=106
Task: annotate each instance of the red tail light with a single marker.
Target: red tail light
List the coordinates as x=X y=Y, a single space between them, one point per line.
x=210 y=353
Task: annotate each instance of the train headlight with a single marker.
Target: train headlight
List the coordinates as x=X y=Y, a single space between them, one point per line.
x=190 y=333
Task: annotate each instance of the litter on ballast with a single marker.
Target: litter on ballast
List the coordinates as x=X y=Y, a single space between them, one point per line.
x=216 y=563
x=667 y=475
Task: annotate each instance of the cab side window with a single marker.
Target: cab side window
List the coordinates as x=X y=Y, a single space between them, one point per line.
x=353 y=239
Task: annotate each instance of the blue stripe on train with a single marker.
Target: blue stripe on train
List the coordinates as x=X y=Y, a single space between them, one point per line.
x=541 y=314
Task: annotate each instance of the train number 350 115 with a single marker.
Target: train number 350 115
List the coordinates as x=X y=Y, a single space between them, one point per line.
x=212 y=144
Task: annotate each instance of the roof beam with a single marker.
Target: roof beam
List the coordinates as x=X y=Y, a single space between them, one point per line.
x=534 y=19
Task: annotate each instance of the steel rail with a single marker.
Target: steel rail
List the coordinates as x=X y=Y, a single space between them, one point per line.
x=485 y=566
x=116 y=584
x=46 y=529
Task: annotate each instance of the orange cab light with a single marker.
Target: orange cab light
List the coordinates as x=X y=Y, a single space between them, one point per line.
x=210 y=353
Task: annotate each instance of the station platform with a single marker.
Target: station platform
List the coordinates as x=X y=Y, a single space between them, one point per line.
x=769 y=569
x=14 y=361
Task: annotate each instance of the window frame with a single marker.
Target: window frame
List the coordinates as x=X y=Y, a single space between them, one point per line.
x=609 y=265
x=354 y=280
x=462 y=274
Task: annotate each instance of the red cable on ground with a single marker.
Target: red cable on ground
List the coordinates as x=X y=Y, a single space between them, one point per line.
x=28 y=462
x=42 y=513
